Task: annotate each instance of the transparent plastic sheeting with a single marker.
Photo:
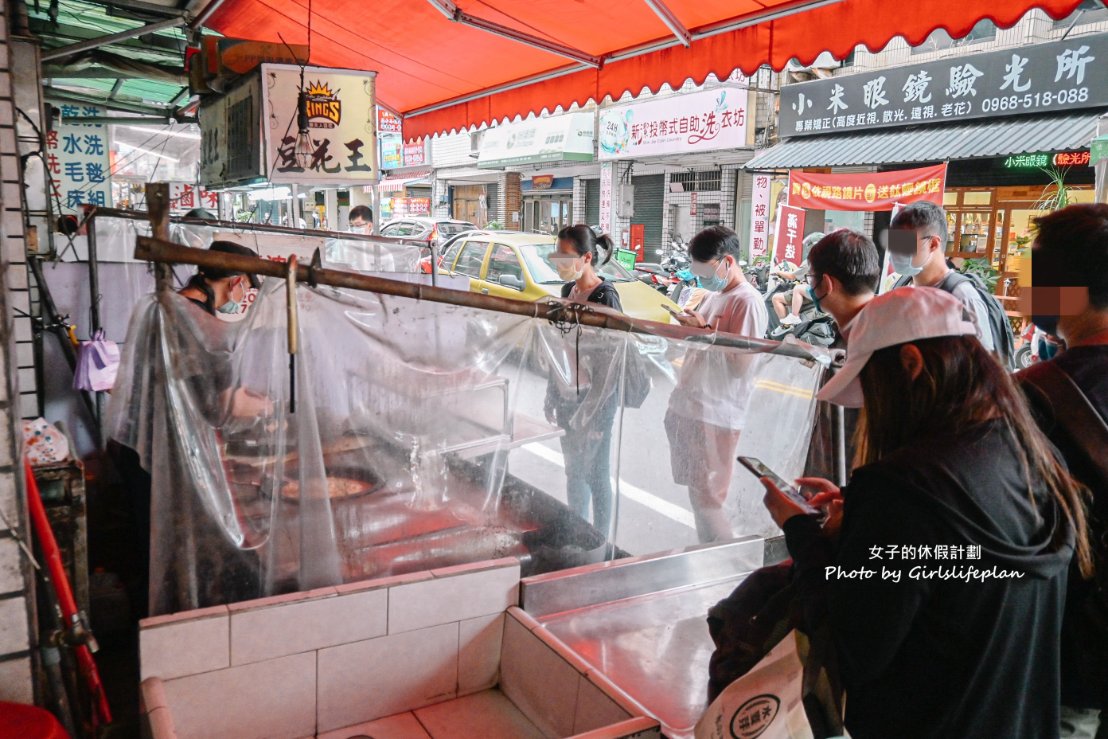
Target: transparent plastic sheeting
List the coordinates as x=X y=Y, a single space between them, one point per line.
x=420 y=439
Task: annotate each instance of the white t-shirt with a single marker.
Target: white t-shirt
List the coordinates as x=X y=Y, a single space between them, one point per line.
x=715 y=383
x=978 y=311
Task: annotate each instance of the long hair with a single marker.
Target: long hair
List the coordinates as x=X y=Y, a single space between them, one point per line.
x=961 y=386
x=586 y=241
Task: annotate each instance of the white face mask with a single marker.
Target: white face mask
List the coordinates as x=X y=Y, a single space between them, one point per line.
x=364 y=229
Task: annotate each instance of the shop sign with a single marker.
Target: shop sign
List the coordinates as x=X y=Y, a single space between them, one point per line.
x=680 y=124
x=77 y=160
x=790 y=235
x=560 y=138
x=1098 y=149
x=866 y=191
x=1035 y=79
x=542 y=182
x=184 y=196
x=606 y=196
x=392 y=151
x=1072 y=159
x=692 y=203
x=388 y=123
x=759 y=216
x=403 y=207
x=341 y=125
x=415 y=155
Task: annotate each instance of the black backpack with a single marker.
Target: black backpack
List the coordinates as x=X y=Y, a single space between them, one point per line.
x=1004 y=339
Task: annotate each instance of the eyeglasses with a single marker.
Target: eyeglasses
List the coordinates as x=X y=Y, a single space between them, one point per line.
x=814 y=279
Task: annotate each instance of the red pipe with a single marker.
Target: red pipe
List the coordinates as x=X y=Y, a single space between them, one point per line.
x=70 y=616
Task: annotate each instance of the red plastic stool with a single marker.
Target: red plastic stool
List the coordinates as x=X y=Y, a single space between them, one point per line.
x=19 y=721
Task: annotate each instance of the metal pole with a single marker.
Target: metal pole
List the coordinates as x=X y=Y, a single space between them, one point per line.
x=112 y=38
x=165 y=252
x=157 y=200
x=94 y=301
x=93 y=277
x=840 y=445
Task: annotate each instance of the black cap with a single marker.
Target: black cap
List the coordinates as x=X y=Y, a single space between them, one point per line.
x=230 y=247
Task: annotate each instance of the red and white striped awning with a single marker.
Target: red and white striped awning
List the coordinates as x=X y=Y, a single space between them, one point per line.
x=396 y=184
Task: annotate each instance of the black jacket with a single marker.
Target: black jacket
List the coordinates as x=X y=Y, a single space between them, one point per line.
x=934 y=657
x=1084 y=634
x=605 y=294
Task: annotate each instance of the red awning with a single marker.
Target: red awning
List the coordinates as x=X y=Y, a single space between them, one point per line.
x=443 y=74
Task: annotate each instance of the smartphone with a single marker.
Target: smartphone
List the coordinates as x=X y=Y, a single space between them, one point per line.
x=672 y=312
x=760 y=470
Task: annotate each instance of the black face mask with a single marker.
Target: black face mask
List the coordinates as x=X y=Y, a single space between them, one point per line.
x=1047 y=323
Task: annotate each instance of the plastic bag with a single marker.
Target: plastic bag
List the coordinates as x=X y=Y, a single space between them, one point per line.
x=43 y=443
x=97 y=364
x=766 y=702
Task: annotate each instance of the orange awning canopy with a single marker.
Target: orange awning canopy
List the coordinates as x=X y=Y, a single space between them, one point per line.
x=450 y=65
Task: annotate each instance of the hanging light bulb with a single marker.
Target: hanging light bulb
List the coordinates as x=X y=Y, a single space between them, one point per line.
x=303 y=150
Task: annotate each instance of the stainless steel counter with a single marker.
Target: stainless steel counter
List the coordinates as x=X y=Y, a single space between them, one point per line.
x=643 y=623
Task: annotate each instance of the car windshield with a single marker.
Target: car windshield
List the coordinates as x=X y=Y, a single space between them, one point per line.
x=450 y=229
x=544 y=273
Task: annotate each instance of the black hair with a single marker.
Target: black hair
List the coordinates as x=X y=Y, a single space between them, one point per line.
x=848 y=256
x=217 y=273
x=923 y=214
x=361 y=211
x=200 y=213
x=714 y=242
x=1071 y=250
x=585 y=241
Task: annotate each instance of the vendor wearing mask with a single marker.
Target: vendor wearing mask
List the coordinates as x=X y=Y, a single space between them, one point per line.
x=217 y=290
x=707 y=409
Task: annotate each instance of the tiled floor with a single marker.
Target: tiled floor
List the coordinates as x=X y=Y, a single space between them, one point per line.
x=485 y=715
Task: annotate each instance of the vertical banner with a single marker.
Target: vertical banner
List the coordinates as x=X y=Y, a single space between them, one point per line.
x=790 y=234
x=606 y=196
x=77 y=159
x=759 y=217
x=692 y=203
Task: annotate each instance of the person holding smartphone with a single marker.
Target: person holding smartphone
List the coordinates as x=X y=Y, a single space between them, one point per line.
x=577 y=397
x=707 y=409
x=944 y=568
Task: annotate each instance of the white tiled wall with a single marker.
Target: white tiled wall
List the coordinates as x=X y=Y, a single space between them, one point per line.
x=361 y=652
x=403 y=656
x=15 y=636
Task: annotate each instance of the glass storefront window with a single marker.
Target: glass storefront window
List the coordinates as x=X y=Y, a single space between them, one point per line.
x=977 y=198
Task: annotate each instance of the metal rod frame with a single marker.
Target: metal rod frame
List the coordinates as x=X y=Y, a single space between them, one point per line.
x=754 y=19
x=130 y=33
x=453 y=13
x=165 y=252
x=673 y=23
x=141 y=215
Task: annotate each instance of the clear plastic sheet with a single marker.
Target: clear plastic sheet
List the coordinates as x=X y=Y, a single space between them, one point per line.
x=420 y=438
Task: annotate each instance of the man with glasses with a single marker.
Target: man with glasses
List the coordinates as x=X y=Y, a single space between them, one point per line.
x=927 y=267
x=842 y=276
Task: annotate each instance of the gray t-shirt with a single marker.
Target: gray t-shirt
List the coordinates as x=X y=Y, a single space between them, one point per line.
x=978 y=311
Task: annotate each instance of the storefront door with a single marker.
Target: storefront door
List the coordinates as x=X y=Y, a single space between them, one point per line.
x=547 y=214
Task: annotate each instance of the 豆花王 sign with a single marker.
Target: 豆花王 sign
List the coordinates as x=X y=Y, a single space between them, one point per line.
x=700 y=121
x=1044 y=78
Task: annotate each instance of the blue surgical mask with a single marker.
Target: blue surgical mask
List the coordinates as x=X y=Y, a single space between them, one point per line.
x=815 y=298
x=903 y=265
x=230 y=307
x=715 y=282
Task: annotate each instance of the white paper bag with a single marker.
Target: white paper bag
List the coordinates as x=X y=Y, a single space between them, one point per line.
x=764 y=703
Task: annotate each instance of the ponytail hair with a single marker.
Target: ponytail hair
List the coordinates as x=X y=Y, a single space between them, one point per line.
x=585 y=241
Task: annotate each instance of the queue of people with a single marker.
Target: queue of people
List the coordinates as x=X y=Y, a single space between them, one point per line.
x=1005 y=635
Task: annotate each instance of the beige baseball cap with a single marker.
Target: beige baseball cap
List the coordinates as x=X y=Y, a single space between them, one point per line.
x=897 y=317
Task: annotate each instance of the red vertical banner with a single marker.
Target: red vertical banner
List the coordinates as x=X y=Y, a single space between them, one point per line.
x=638 y=240
x=692 y=203
x=790 y=234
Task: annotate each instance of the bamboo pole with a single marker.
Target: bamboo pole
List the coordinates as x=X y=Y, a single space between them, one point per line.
x=165 y=252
